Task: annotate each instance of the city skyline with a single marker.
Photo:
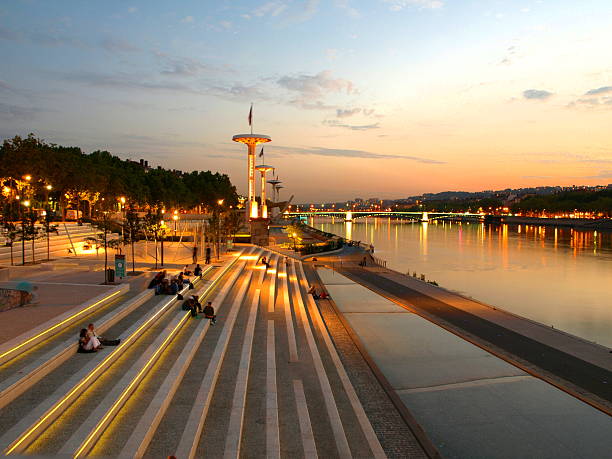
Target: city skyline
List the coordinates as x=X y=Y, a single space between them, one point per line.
x=386 y=98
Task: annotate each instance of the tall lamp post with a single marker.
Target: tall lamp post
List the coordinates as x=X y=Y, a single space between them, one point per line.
x=218 y=226
x=251 y=141
x=264 y=205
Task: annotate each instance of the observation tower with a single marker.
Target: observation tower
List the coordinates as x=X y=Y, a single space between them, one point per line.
x=251 y=141
x=264 y=205
x=274 y=182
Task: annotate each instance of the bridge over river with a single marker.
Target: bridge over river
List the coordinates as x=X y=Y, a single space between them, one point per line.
x=351 y=215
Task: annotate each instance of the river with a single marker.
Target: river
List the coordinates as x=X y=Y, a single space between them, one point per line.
x=556 y=276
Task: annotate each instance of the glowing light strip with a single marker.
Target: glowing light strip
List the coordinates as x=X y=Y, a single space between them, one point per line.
x=91 y=438
x=68 y=319
x=28 y=433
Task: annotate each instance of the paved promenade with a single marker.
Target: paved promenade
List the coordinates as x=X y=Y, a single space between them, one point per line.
x=471 y=403
x=581 y=367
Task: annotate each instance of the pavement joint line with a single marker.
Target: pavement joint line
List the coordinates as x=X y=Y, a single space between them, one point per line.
x=342 y=445
x=143 y=433
x=190 y=438
x=364 y=422
x=83 y=439
x=236 y=420
x=32 y=337
x=272 y=428
x=21 y=439
x=308 y=442
x=271 y=294
x=464 y=384
x=19 y=382
x=293 y=353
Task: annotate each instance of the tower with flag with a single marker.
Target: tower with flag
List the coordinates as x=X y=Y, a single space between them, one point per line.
x=251 y=141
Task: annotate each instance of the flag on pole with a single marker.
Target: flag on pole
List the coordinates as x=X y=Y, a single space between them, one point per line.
x=261 y=152
x=251 y=116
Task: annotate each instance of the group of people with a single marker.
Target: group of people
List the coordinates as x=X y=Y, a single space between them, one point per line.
x=316 y=295
x=165 y=286
x=89 y=341
x=193 y=304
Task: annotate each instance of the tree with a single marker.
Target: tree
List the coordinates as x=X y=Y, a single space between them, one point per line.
x=48 y=228
x=153 y=223
x=131 y=231
x=232 y=222
x=9 y=228
x=106 y=225
x=29 y=232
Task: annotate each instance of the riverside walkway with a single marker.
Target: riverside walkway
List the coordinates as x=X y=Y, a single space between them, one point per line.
x=471 y=403
x=266 y=381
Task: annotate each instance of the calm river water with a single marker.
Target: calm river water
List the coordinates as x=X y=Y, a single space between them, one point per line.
x=555 y=276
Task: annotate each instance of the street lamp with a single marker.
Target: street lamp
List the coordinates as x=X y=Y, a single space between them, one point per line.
x=175 y=218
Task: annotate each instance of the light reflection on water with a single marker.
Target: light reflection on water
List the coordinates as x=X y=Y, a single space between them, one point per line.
x=556 y=276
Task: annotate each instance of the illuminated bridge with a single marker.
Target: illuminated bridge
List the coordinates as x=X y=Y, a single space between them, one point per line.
x=352 y=215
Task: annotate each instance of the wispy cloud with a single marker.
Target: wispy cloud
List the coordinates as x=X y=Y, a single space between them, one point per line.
x=352 y=127
x=41 y=37
x=181 y=66
x=605 y=174
x=127 y=81
x=345 y=113
x=345 y=153
x=273 y=8
x=347 y=8
x=598 y=91
x=310 y=90
x=537 y=94
x=10 y=112
x=398 y=5
x=115 y=45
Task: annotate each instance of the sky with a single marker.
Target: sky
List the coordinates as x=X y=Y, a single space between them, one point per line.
x=368 y=98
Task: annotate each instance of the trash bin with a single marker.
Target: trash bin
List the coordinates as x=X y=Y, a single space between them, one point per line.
x=110 y=275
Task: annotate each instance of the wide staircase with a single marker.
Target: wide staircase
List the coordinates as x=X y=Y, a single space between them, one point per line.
x=265 y=381
x=66 y=242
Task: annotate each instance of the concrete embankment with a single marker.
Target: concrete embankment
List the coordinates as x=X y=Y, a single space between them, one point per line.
x=577 y=366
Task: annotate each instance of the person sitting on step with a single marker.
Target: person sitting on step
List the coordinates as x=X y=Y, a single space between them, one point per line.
x=87 y=342
x=209 y=313
x=105 y=342
x=197 y=271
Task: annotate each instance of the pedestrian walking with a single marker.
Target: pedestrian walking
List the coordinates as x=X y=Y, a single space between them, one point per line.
x=194 y=254
x=207 y=255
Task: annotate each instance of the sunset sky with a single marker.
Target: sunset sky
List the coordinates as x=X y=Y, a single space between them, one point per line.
x=369 y=98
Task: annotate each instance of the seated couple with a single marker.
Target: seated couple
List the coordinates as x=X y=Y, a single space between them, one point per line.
x=315 y=294
x=193 y=304
x=89 y=341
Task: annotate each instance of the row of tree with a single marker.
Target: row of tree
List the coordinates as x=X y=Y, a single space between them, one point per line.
x=34 y=169
x=599 y=202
